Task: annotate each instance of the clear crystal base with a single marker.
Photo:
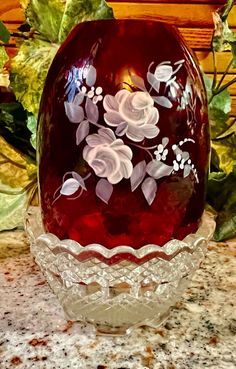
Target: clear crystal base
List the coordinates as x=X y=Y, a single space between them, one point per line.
x=117 y=296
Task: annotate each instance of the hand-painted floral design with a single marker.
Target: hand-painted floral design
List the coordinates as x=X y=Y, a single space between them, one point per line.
x=108 y=156
x=133 y=113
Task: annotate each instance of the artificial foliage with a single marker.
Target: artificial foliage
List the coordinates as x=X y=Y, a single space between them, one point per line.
x=48 y=22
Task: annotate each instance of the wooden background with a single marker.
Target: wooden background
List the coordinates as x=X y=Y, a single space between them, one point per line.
x=192 y=17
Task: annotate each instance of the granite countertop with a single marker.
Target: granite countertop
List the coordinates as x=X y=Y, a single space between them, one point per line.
x=200 y=332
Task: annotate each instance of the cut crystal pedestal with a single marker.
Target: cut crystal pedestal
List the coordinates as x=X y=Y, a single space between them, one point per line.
x=117 y=296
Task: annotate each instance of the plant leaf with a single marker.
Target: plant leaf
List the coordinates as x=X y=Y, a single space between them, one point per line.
x=69 y=187
x=24 y=3
x=82 y=131
x=218 y=109
x=138 y=175
x=80 y=11
x=221 y=195
x=225 y=149
x=104 y=190
x=149 y=188
x=163 y=101
x=138 y=82
x=4 y=33
x=3 y=57
x=92 y=112
x=74 y=113
x=13 y=179
x=12 y=211
x=225 y=226
x=29 y=70
x=45 y=16
x=32 y=127
x=13 y=128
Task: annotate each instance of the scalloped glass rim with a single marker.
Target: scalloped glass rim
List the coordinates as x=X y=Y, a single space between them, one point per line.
x=34 y=228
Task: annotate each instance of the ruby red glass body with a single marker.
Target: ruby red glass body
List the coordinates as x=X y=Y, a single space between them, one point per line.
x=123 y=136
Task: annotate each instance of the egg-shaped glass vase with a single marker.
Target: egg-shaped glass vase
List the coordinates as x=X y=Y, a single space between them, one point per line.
x=123 y=162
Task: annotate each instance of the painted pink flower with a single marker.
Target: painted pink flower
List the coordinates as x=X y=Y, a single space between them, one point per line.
x=108 y=156
x=133 y=113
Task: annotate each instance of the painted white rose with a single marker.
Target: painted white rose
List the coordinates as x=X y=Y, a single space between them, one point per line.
x=108 y=156
x=133 y=113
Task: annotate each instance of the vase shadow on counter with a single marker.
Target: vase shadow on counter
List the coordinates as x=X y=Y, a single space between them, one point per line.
x=121 y=296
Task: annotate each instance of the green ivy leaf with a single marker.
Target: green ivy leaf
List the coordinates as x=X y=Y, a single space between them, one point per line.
x=13 y=128
x=223 y=38
x=218 y=109
x=222 y=197
x=12 y=210
x=4 y=33
x=77 y=11
x=3 y=57
x=225 y=226
x=32 y=127
x=29 y=70
x=45 y=17
x=225 y=149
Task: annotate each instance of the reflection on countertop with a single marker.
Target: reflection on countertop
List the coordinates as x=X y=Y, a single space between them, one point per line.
x=200 y=332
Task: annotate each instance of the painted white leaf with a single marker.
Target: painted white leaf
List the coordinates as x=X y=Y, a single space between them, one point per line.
x=82 y=131
x=138 y=82
x=163 y=72
x=187 y=170
x=157 y=169
x=153 y=81
x=74 y=112
x=69 y=187
x=185 y=155
x=104 y=190
x=91 y=76
x=179 y=62
x=79 y=97
x=165 y=141
x=91 y=110
x=149 y=188
x=121 y=129
x=163 y=101
x=79 y=179
x=138 y=175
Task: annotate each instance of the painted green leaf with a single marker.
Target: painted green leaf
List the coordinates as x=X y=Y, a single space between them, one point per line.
x=29 y=70
x=3 y=57
x=4 y=33
x=77 y=11
x=45 y=17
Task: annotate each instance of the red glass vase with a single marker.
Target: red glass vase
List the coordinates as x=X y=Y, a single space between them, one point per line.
x=123 y=136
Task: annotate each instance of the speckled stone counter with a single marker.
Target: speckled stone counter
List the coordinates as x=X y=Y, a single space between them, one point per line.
x=200 y=332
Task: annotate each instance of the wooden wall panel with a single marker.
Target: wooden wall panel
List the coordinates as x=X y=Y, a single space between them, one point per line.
x=186 y=14
x=192 y=17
